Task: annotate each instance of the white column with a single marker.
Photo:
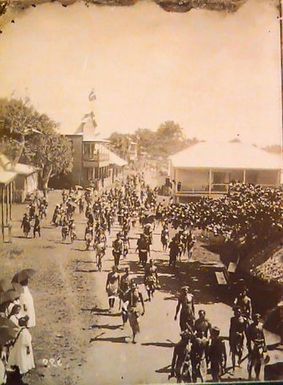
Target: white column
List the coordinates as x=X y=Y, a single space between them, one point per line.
x=244 y=176
x=209 y=181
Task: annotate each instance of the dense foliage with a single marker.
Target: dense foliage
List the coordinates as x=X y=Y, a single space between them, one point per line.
x=168 y=139
x=31 y=137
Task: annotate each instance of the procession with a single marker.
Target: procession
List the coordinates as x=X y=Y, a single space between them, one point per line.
x=141 y=192
x=121 y=221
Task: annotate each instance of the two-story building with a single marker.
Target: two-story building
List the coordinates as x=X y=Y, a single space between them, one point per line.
x=90 y=157
x=207 y=169
x=93 y=163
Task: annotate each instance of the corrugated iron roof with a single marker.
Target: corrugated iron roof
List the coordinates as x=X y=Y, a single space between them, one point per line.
x=226 y=155
x=19 y=168
x=24 y=169
x=7 y=176
x=115 y=159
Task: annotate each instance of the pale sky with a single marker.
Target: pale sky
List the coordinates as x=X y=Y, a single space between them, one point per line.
x=216 y=74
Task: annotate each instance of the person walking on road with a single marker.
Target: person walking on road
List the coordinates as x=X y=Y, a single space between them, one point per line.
x=165 y=237
x=244 y=302
x=143 y=249
x=238 y=328
x=256 y=346
x=174 y=250
x=36 y=226
x=112 y=286
x=126 y=244
x=135 y=301
x=187 y=314
x=217 y=355
x=199 y=356
x=202 y=324
x=150 y=279
x=117 y=249
x=26 y=225
x=123 y=291
x=180 y=356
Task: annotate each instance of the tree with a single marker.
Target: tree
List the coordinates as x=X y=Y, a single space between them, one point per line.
x=169 y=131
x=52 y=153
x=120 y=143
x=145 y=139
x=32 y=137
x=20 y=121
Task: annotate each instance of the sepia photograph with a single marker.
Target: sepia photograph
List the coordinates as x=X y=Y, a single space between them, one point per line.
x=141 y=192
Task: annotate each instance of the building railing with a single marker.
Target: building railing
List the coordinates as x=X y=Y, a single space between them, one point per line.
x=216 y=188
x=220 y=187
x=96 y=157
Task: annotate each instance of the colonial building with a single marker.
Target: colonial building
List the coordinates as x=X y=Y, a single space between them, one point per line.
x=90 y=157
x=208 y=168
x=93 y=162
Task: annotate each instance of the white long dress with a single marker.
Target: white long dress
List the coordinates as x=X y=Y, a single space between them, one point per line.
x=26 y=301
x=19 y=355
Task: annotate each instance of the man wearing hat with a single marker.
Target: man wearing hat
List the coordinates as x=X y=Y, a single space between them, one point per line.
x=217 y=355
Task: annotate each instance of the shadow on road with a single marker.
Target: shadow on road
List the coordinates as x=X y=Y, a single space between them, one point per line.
x=107 y=326
x=276 y=346
x=84 y=271
x=159 y=344
x=200 y=277
x=165 y=369
x=116 y=340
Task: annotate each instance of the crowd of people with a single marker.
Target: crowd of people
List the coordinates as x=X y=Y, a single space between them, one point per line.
x=17 y=318
x=35 y=212
x=201 y=346
x=245 y=214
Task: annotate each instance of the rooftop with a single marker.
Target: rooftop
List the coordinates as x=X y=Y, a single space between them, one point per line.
x=115 y=159
x=226 y=155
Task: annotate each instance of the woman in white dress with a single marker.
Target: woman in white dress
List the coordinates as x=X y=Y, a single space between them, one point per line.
x=26 y=302
x=21 y=353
